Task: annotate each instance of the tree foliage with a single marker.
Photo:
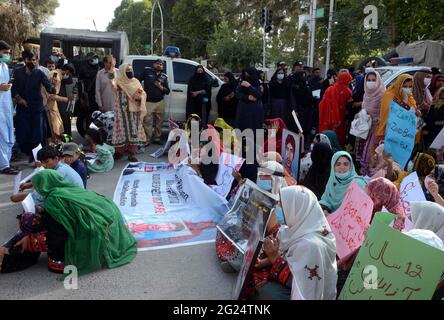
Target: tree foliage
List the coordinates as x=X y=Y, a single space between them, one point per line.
x=197 y=27
x=14 y=27
x=236 y=50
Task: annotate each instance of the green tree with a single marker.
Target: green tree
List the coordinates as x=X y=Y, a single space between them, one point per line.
x=14 y=27
x=40 y=10
x=235 y=50
x=134 y=18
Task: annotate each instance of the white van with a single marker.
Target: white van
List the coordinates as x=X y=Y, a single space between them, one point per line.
x=179 y=72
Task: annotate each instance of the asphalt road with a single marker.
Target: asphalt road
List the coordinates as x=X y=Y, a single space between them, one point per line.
x=172 y=274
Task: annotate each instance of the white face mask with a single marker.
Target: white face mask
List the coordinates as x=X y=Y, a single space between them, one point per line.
x=280 y=76
x=427 y=81
x=407 y=91
x=371 y=85
x=65 y=76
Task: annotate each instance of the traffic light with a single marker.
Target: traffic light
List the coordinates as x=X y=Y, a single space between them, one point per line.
x=269 y=21
x=263 y=17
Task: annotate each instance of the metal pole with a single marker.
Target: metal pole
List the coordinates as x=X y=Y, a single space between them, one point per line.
x=152 y=28
x=313 y=34
x=264 y=40
x=309 y=35
x=161 y=24
x=330 y=26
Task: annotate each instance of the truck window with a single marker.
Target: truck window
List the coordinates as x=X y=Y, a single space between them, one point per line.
x=139 y=66
x=183 y=72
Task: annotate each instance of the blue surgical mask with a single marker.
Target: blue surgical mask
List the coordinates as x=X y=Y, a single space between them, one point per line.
x=5 y=58
x=280 y=76
x=279 y=215
x=95 y=62
x=410 y=166
x=265 y=185
x=343 y=176
x=55 y=59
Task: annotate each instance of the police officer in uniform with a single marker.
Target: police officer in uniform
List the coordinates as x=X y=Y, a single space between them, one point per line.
x=156 y=87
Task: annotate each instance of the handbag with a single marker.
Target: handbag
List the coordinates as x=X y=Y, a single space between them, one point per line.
x=360 y=127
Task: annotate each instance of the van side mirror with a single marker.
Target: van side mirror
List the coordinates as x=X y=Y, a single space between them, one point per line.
x=215 y=83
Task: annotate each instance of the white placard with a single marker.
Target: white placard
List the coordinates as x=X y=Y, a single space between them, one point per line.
x=28 y=204
x=297 y=122
x=36 y=150
x=439 y=141
x=17 y=183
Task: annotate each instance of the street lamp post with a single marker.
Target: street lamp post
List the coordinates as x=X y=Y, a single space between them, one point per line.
x=156 y=3
x=330 y=26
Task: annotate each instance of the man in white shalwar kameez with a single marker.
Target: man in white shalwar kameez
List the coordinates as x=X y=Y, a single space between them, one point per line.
x=6 y=113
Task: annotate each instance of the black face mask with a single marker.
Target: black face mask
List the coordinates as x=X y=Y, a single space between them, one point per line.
x=130 y=74
x=30 y=65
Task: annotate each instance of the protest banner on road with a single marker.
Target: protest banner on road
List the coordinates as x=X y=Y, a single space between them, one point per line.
x=410 y=191
x=393 y=266
x=351 y=220
x=400 y=134
x=166 y=207
x=291 y=152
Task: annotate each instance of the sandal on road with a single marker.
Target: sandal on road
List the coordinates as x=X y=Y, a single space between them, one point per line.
x=9 y=172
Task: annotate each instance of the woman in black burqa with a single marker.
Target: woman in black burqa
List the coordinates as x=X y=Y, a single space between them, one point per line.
x=226 y=99
x=250 y=113
x=199 y=95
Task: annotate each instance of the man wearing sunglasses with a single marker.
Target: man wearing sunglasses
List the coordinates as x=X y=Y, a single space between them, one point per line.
x=31 y=123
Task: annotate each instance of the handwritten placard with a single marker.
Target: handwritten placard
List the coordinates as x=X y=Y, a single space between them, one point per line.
x=350 y=222
x=400 y=134
x=393 y=266
x=411 y=190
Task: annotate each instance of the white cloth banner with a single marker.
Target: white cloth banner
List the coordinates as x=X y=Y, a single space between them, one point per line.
x=166 y=207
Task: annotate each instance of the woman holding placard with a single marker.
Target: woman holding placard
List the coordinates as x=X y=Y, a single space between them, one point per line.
x=342 y=174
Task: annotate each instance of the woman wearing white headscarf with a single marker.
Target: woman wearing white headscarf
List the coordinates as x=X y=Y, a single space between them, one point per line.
x=303 y=257
x=429 y=216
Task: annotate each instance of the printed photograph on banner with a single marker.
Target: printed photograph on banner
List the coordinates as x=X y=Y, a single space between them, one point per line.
x=291 y=152
x=187 y=210
x=157 y=227
x=224 y=179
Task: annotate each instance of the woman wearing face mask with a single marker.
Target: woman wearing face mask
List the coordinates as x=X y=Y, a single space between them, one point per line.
x=436 y=83
x=128 y=132
x=199 y=95
x=305 y=246
x=332 y=109
x=250 y=113
x=402 y=93
x=301 y=101
x=270 y=179
x=374 y=91
x=434 y=118
x=226 y=99
x=421 y=90
x=342 y=174
x=279 y=95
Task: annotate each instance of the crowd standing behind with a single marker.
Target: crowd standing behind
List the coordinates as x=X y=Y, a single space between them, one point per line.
x=126 y=115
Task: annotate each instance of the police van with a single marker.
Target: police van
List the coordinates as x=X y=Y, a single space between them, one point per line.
x=179 y=72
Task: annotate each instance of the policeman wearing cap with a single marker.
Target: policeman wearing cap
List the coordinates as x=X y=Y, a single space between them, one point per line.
x=156 y=86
